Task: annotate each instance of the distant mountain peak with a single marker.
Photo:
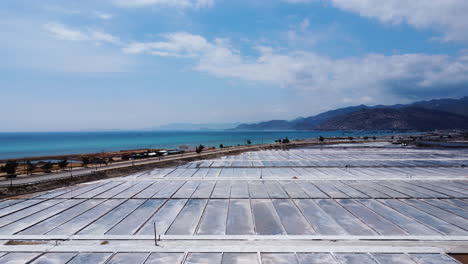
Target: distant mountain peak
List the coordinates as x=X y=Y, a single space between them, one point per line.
x=441 y=107
x=401 y=119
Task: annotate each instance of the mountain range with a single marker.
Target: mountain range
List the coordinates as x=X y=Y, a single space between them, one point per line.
x=194 y=127
x=419 y=116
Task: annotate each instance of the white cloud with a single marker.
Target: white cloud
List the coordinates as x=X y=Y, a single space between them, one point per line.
x=102 y=15
x=373 y=75
x=77 y=12
x=299 y=34
x=52 y=54
x=62 y=32
x=305 y=23
x=445 y=16
x=103 y=37
x=171 y=3
x=62 y=10
x=359 y=100
x=65 y=33
x=175 y=45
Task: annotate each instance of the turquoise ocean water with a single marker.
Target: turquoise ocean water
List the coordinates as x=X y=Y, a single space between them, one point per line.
x=19 y=145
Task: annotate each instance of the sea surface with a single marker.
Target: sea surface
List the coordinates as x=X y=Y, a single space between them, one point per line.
x=20 y=145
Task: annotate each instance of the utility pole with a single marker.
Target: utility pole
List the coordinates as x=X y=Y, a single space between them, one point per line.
x=155 y=235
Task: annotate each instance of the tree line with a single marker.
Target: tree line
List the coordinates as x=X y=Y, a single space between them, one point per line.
x=11 y=167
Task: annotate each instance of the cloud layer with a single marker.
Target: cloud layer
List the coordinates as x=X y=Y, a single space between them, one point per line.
x=66 y=33
x=445 y=16
x=57 y=48
x=370 y=77
x=171 y=3
x=403 y=75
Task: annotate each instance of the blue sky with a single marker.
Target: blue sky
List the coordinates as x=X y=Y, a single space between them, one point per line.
x=129 y=64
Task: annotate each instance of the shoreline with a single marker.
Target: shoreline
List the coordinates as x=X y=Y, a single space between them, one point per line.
x=75 y=167
x=45 y=145
x=38 y=183
x=77 y=156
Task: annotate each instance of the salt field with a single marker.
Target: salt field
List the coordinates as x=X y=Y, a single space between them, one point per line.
x=308 y=205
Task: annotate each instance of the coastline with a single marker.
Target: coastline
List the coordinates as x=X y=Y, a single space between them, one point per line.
x=30 y=145
x=76 y=155
x=36 y=183
x=29 y=184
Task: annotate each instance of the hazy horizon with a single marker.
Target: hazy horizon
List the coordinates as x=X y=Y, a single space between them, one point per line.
x=128 y=65
x=194 y=126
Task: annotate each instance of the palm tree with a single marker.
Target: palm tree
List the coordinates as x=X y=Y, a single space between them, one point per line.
x=85 y=161
x=30 y=167
x=199 y=149
x=63 y=164
x=47 y=167
x=10 y=168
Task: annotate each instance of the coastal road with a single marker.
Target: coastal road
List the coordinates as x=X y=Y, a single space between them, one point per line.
x=123 y=164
